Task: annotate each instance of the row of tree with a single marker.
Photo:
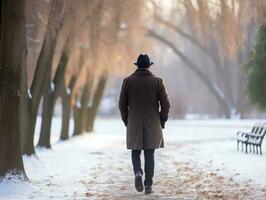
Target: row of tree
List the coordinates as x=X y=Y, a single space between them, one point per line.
x=58 y=49
x=67 y=49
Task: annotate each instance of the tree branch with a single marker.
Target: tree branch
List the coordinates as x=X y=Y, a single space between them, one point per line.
x=213 y=88
x=189 y=37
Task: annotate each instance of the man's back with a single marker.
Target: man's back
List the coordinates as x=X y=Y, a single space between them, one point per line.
x=143 y=92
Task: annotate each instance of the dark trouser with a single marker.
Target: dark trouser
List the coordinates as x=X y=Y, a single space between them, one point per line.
x=148 y=167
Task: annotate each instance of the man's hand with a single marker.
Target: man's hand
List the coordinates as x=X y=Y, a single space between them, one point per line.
x=162 y=123
x=125 y=122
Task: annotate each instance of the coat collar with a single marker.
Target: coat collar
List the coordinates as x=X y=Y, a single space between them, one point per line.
x=142 y=72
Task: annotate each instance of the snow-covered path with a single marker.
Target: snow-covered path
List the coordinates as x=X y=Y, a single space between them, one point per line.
x=174 y=179
x=199 y=162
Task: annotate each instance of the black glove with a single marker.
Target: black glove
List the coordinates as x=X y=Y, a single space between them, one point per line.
x=162 y=125
x=125 y=122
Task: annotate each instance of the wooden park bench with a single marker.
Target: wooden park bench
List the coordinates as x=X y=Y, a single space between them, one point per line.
x=253 y=139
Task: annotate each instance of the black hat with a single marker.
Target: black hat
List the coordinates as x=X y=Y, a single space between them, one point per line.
x=143 y=61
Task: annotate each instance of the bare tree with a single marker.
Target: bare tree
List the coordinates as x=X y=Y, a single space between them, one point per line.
x=66 y=96
x=83 y=101
x=31 y=97
x=220 y=39
x=92 y=110
x=54 y=87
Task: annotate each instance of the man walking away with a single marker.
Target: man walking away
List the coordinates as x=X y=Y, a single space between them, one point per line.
x=144 y=107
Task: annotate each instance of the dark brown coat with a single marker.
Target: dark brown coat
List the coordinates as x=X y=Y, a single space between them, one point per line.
x=142 y=95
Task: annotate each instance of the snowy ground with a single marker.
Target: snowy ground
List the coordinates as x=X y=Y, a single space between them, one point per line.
x=199 y=161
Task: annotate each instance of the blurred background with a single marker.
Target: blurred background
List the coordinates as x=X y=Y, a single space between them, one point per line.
x=199 y=48
x=210 y=54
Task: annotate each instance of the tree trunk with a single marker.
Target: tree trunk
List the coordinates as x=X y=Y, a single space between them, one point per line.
x=92 y=110
x=84 y=105
x=52 y=93
x=77 y=120
x=24 y=120
x=66 y=96
x=41 y=73
x=12 y=59
x=66 y=104
x=47 y=115
x=24 y=112
x=28 y=135
x=80 y=109
x=50 y=97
